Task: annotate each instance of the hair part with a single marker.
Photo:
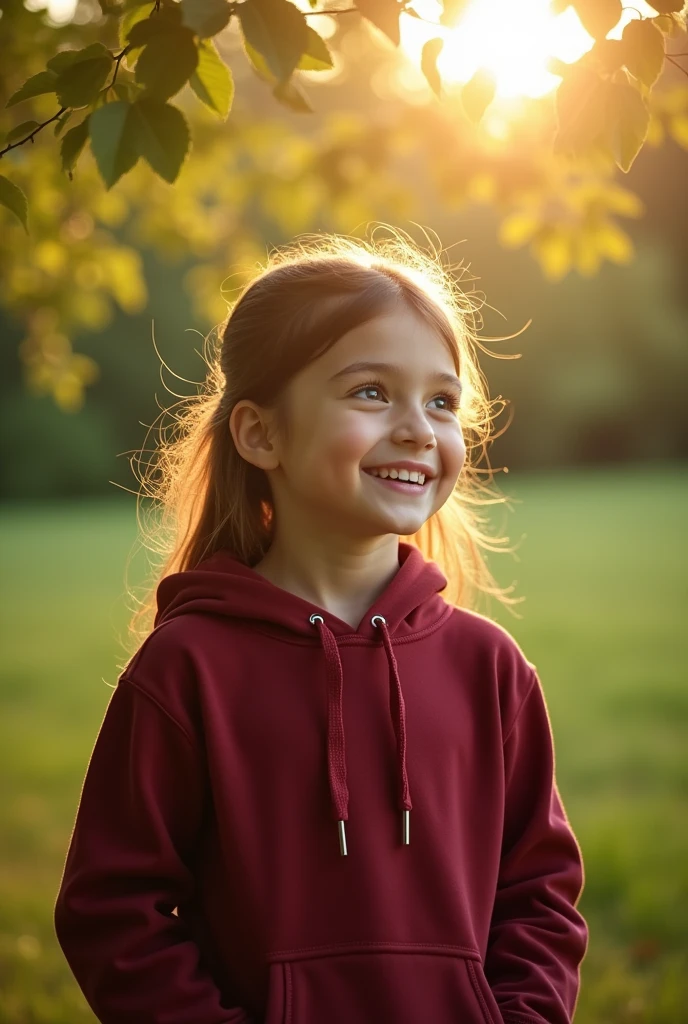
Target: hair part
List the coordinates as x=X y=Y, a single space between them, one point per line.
x=308 y=295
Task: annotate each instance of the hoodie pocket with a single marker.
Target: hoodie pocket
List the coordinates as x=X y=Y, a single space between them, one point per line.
x=366 y=984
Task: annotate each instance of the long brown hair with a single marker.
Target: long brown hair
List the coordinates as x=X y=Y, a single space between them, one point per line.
x=307 y=296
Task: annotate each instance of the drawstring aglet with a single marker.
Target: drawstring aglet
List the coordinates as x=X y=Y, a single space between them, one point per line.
x=342 y=839
x=405 y=815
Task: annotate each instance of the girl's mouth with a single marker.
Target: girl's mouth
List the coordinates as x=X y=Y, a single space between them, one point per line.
x=403 y=486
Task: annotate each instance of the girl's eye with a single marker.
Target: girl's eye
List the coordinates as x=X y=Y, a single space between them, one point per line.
x=452 y=402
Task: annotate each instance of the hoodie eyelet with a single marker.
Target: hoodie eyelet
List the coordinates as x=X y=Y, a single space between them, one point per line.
x=380 y=617
x=314 y=617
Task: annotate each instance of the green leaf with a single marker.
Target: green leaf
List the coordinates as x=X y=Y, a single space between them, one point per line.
x=643 y=46
x=21 y=130
x=167 y=19
x=627 y=121
x=384 y=14
x=14 y=199
x=79 y=84
x=167 y=63
x=206 y=17
x=62 y=121
x=428 y=63
x=162 y=136
x=316 y=56
x=312 y=59
x=478 y=93
x=38 y=84
x=113 y=140
x=73 y=143
x=277 y=30
x=66 y=58
x=131 y=17
x=212 y=80
x=598 y=16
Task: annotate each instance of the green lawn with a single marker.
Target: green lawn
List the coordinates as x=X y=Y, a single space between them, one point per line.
x=602 y=563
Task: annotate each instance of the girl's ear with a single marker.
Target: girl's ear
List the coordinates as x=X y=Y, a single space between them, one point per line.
x=251 y=428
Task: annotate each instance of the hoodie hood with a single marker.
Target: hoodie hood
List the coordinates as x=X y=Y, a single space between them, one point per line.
x=222 y=585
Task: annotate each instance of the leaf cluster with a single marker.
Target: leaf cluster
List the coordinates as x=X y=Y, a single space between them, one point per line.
x=124 y=98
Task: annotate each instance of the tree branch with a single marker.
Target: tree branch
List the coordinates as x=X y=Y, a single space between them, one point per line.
x=676 y=64
x=21 y=142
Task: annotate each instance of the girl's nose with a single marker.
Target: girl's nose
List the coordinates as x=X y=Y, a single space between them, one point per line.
x=414 y=426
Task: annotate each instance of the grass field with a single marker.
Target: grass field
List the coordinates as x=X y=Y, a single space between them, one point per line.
x=602 y=564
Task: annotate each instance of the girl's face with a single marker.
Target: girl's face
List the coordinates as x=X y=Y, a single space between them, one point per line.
x=344 y=421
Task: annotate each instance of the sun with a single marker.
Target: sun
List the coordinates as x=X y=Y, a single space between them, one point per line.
x=512 y=38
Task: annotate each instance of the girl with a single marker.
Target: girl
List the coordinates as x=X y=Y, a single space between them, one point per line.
x=323 y=792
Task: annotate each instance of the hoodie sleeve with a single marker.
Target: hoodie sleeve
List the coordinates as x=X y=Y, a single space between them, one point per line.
x=127 y=869
x=537 y=938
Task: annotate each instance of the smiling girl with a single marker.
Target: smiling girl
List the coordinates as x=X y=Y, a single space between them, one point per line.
x=323 y=791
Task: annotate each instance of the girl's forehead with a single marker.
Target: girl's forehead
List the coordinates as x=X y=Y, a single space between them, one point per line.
x=391 y=344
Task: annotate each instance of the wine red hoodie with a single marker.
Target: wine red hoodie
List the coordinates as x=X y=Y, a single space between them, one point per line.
x=290 y=821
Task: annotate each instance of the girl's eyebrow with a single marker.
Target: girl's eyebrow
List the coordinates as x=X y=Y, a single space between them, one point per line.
x=353 y=368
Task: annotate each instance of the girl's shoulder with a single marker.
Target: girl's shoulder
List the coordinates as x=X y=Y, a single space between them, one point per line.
x=491 y=653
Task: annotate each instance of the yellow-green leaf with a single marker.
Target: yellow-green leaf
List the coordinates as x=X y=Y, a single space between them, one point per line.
x=135 y=14
x=212 y=80
x=73 y=143
x=277 y=30
x=428 y=63
x=12 y=197
x=518 y=228
x=478 y=93
x=613 y=243
x=643 y=46
x=316 y=56
x=21 y=131
x=553 y=250
x=38 y=84
x=206 y=17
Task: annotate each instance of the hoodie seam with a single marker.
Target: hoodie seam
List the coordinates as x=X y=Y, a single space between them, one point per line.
x=161 y=707
x=520 y=708
x=355 y=639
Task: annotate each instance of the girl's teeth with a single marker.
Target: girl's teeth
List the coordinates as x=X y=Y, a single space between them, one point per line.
x=401 y=474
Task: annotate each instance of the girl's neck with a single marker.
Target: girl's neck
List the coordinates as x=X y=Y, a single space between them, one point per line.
x=343 y=583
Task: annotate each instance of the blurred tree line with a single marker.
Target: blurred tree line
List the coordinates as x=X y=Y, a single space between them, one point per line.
x=602 y=364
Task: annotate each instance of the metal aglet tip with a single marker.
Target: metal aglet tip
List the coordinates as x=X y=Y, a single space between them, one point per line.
x=342 y=839
x=405 y=815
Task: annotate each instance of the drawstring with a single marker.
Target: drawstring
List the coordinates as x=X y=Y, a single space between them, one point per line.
x=336 y=759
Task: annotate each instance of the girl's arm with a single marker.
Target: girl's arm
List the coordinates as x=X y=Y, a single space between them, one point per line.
x=537 y=937
x=126 y=870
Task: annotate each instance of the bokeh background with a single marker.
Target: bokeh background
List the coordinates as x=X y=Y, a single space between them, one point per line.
x=595 y=450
